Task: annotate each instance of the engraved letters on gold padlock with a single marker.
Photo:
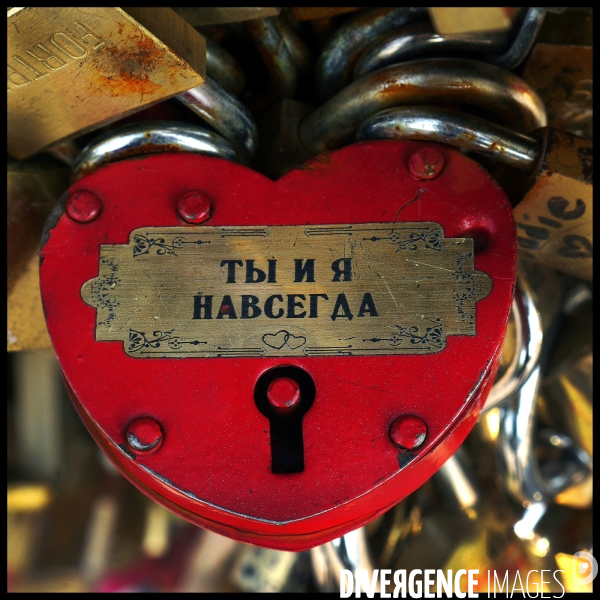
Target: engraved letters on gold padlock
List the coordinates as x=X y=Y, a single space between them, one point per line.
x=71 y=70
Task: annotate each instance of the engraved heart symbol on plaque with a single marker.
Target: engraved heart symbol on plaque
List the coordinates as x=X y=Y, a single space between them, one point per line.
x=347 y=268
x=282 y=338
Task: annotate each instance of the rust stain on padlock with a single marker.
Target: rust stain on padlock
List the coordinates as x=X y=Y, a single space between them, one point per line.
x=136 y=67
x=314 y=164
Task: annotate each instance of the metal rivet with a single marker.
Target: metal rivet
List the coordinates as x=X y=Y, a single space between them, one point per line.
x=408 y=432
x=283 y=393
x=83 y=206
x=144 y=435
x=426 y=163
x=194 y=207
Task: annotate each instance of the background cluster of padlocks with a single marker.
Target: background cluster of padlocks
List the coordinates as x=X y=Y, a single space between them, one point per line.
x=270 y=88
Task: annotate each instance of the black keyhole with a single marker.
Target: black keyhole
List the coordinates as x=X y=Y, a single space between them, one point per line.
x=287 y=447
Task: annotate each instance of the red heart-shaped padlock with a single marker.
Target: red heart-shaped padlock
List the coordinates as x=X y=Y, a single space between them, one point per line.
x=281 y=362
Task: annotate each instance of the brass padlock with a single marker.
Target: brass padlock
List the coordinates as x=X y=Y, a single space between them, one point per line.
x=71 y=70
x=554 y=214
x=562 y=75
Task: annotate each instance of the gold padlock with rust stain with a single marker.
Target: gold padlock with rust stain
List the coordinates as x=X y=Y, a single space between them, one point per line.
x=71 y=70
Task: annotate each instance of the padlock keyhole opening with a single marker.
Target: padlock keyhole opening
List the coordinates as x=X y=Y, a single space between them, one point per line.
x=481 y=239
x=284 y=395
x=480 y=231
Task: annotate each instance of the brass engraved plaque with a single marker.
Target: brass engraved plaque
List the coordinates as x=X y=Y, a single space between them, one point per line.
x=300 y=290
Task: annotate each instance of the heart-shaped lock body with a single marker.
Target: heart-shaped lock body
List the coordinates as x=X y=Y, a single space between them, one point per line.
x=298 y=363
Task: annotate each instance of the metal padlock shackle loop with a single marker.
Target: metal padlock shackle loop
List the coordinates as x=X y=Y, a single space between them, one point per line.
x=457 y=129
x=517 y=397
x=300 y=54
x=284 y=54
x=423 y=81
x=360 y=41
x=149 y=137
x=515 y=451
x=420 y=40
x=523 y=42
x=528 y=347
x=210 y=101
x=224 y=113
x=223 y=68
x=220 y=109
x=334 y=65
x=277 y=57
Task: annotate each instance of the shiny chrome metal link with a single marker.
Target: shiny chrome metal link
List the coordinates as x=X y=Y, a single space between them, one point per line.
x=458 y=488
x=516 y=459
x=273 y=49
x=146 y=138
x=523 y=41
x=516 y=393
x=573 y=467
x=235 y=138
x=420 y=40
x=225 y=114
x=526 y=357
x=299 y=52
x=223 y=68
x=336 y=62
x=421 y=82
x=466 y=132
x=384 y=36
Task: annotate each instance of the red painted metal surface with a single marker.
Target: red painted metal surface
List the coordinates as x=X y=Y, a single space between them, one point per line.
x=212 y=466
